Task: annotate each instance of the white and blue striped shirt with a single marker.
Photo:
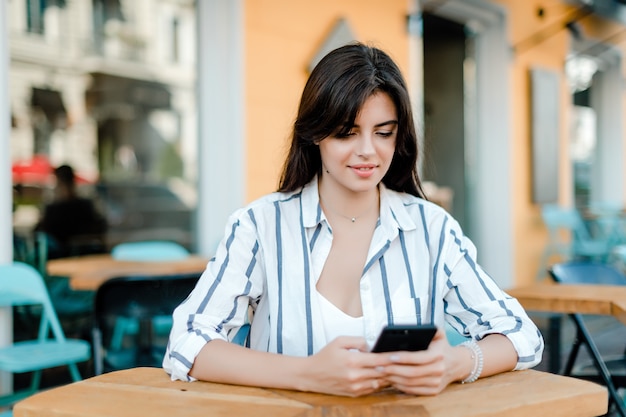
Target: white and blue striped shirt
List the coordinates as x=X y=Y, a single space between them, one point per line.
x=420 y=269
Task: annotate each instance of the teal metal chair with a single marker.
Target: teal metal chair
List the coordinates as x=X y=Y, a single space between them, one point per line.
x=23 y=285
x=570 y=238
x=610 y=371
x=144 y=251
x=136 y=299
x=454 y=337
x=149 y=250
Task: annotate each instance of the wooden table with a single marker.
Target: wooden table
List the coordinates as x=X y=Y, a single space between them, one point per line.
x=574 y=300
x=606 y=300
x=149 y=392
x=88 y=272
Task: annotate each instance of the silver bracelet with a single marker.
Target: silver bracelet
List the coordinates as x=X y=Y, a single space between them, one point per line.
x=477 y=355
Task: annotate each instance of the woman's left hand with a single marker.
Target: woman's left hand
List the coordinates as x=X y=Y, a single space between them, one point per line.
x=425 y=372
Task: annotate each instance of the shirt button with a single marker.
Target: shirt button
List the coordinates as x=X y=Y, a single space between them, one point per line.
x=365 y=286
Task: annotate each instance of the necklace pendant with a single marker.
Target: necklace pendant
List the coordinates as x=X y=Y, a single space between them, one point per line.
x=353 y=219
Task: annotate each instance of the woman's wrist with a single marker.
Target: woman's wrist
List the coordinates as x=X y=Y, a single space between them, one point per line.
x=302 y=377
x=477 y=360
x=463 y=363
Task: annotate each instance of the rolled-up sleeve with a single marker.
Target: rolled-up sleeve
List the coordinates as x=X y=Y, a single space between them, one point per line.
x=218 y=306
x=477 y=306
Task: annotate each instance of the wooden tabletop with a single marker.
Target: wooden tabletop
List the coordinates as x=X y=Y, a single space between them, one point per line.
x=149 y=392
x=606 y=300
x=88 y=272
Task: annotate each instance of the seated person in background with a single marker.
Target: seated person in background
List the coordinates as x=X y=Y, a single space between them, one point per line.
x=72 y=223
x=348 y=244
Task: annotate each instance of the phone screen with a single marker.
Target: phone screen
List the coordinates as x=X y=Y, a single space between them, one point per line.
x=394 y=338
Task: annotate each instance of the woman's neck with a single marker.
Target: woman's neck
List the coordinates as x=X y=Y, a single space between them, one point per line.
x=347 y=204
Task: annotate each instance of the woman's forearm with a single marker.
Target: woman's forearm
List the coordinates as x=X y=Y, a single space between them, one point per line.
x=343 y=367
x=220 y=361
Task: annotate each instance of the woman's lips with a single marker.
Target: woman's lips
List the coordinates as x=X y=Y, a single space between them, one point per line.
x=363 y=171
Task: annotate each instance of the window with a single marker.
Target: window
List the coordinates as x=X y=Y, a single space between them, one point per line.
x=35 y=10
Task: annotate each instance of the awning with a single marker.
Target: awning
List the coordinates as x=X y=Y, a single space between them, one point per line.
x=38 y=171
x=110 y=90
x=610 y=9
x=50 y=102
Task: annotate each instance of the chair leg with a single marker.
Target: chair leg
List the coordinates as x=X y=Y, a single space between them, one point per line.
x=74 y=372
x=554 y=338
x=573 y=354
x=614 y=397
x=98 y=354
x=35 y=381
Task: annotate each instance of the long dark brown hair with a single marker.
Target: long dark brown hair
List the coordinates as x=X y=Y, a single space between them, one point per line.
x=336 y=90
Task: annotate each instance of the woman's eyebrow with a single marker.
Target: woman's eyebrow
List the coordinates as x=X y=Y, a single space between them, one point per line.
x=388 y=122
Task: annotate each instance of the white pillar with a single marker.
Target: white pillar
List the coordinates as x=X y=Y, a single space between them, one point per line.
x=6 y=192
x=221 y=118
x=607 y=169
x=415 y=77
x=492 y=214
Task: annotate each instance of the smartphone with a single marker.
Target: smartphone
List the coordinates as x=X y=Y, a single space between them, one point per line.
x=394 y=338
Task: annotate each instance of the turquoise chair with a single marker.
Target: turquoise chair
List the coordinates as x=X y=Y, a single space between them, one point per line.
x=144 y=251
x=610 y=371
x=570 y=238
x=23 y=285
x=138 y=300
x=454 y=337
x=149 y=250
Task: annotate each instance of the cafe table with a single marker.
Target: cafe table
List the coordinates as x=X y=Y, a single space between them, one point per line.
x=607 y=300
x=573 y=299
x=150 y=392
x=89 y=271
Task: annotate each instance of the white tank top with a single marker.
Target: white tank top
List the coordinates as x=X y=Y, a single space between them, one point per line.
x=336 y=322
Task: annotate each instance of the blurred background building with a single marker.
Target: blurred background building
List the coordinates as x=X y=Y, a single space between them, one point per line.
x=109 y=88
x=176 y=112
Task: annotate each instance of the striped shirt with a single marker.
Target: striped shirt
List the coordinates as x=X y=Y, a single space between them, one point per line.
x=420 y=269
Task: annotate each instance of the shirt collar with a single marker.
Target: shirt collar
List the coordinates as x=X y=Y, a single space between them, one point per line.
x=311 y=209
x=393 y=207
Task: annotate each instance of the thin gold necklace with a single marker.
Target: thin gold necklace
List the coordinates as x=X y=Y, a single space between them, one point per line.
x=353 y=219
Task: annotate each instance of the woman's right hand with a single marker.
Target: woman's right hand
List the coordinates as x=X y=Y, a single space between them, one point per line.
x=345 y=367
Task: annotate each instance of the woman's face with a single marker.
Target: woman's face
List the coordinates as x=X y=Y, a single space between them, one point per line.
x=359 y=161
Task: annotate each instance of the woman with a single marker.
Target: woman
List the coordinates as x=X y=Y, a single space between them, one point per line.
x=347 y=245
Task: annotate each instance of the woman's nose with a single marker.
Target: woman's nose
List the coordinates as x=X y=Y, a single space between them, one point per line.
x=365 y=145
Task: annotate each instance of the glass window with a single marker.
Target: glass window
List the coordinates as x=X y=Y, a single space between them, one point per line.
x=113 y=97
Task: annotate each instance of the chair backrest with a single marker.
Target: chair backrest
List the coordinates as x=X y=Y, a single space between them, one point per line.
x=587 y=273
x=32 y=250
x=562 y=218
x=140 y=297
x=149 y=250
x=21 y=284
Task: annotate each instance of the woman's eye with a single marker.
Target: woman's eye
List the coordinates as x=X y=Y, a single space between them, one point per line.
x=344 y=135
x=385 y=134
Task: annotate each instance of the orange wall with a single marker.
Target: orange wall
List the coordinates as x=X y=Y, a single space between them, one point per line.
x=281 y=37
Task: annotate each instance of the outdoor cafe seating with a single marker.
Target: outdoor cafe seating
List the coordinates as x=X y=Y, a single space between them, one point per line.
x=608 y=371
x=132 y=319
x=595 y=233
x=22 y=287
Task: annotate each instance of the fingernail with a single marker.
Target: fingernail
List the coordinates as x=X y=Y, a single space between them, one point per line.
x=380 y=368
x=394 y=358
